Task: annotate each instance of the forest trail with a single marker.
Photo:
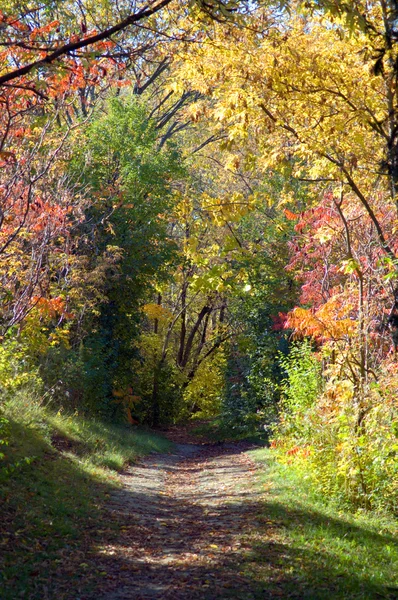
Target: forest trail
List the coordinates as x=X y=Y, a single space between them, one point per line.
x=186 y=516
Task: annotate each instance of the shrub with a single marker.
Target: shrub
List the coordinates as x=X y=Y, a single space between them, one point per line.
x=348 y=448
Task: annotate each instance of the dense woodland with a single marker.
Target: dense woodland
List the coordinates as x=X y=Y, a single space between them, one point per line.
x=198 y=220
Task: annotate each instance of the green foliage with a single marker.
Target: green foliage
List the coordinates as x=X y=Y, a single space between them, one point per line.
x=124 y=250
x=4 y=435
x=252 y=390
x=355 y=451
x=17 y=368
x=301 y=386
x=241 y=408
x=347 y=449
x=253 y=372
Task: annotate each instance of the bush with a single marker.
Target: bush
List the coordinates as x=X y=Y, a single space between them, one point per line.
x=346 y=447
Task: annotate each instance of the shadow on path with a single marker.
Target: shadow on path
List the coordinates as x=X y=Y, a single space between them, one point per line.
x=194 y=525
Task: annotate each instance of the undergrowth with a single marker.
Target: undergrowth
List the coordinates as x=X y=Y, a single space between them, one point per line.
x=217 y=430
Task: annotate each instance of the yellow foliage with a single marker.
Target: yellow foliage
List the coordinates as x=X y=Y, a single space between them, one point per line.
x=204 y=392
x=303 y=90
x=127 y=400
x=156 y=311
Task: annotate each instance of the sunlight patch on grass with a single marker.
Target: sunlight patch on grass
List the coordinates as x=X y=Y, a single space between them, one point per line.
x=55 y=477
x=325 y=547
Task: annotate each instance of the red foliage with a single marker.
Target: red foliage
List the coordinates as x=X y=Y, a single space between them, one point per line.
x=335 y=247
x=279 y=321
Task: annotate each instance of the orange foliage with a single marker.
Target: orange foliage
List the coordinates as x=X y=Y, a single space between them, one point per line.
x=51 y=307
x=329 y=322
x=290 y=215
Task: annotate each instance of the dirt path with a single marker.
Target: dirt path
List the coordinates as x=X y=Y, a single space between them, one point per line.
x=185 y=516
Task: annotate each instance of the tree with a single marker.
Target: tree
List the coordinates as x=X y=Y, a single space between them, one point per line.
x=310 y=95
x=281 y=86
x=189 y=323
x=121 y=247
x=57 y=60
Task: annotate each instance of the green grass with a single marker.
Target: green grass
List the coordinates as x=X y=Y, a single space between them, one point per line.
x=55 y=477
x=321 y=552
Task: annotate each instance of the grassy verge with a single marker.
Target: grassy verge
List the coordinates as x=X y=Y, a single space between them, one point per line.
x=55 y=475
x=307 y=548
